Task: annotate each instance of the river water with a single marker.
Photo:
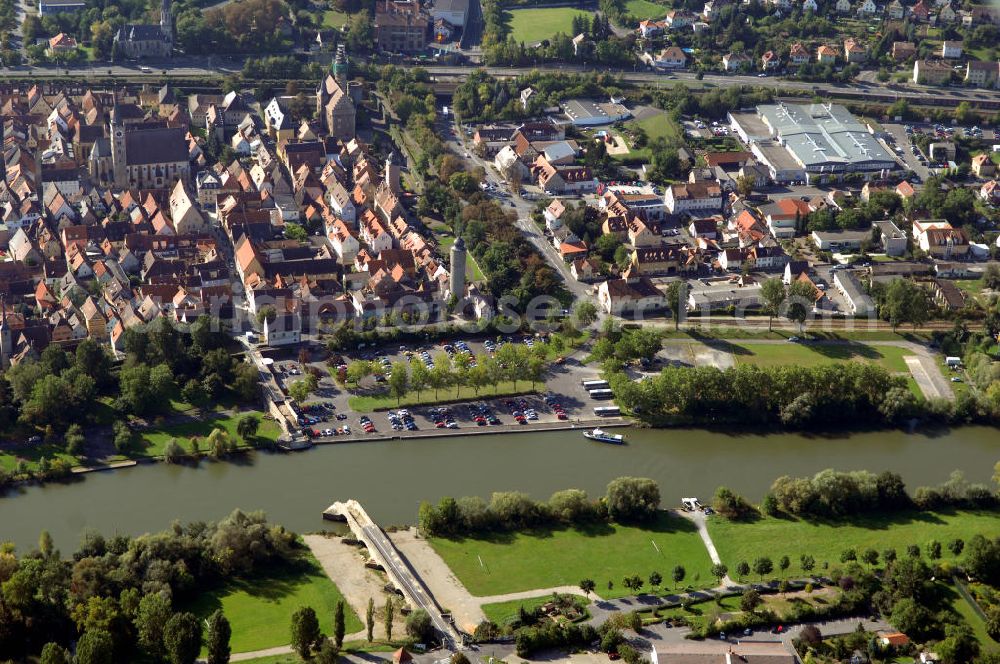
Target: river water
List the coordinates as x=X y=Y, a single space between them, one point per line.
x=391 y=477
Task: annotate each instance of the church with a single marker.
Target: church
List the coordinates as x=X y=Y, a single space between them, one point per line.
x=146 y=40
x=334 y=105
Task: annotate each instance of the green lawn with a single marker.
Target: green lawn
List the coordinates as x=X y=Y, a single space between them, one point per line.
x=472 y=271
x=959 y=606
x=260 y=610
x=335 y=19
x=32 y=454
x=766 y=355
x=825 y=540
x=512 y=562
x=505 y=612
x=534 y=25
x=363 y=403
x=155 y=439
x=644 y=9
x=726 y=332
x=655 y=126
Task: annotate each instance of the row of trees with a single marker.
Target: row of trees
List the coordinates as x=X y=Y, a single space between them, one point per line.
x=510 y=364
x=826 y=395
x=118 y=597
x=627 y=499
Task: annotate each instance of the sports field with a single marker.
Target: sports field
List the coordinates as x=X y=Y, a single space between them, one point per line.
x=534 y=25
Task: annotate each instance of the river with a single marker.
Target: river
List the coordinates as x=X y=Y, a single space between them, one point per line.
x=391 y=477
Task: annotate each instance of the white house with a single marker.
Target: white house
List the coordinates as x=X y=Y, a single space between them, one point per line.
x=694 y=197
x=951 y=50
x=630 y=295
x=867 y=8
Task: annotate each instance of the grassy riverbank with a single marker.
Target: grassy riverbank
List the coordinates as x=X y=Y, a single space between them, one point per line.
x=512 y=562
x=826 y=539
x=155 y=439
x=260 y=610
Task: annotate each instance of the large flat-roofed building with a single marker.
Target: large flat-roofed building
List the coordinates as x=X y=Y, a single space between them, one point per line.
x=583 y=112
x=821 y=139
x=781 y=166
x=455 y=12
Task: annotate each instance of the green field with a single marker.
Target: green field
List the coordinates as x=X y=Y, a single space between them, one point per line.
x=260 y=610
x=155 y=439
x=959 y=606
x=32 y=454
x=513 y=562
x=364 y=403
x=660 y=125
x=504 y=612
x=534 y=25
x=335 y=19
x=807 y=355
x=644 y=9
x=825 y=540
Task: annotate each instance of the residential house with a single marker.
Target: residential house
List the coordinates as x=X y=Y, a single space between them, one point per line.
x=854 y=51
x=947 y=295
x=696 y=198
x=931 y=72
x=982 y=74
x=920 y=11
x=983 y=166
x=770 y=61
x=867 y=9
x=895 y=639
x=649 y=29
x=939 y=239
x=942 y=150
x=947 y=14
x=679 y=18
x=61 y=43
x=630 y=295
x=895 y=10
x=844 y=6
x=564 y=179
x=903 y=50
x=735 y=62
x=585 y=269
x=848 y=284
x=783 y=216
x=671 y=57
x=893 y=239
x=905 y=190
x=951 y=50
x=704 y=228
x=826 y=55
x=798 y=54
x=990 y=191
x=809 y=6
x=553 y=213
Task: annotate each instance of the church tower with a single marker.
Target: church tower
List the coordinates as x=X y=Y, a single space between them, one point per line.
x=6 y=342
x=118 y=157
x=167 y=23
x=392 y=174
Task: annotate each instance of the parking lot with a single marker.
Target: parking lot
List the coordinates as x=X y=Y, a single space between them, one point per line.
x=326 y=416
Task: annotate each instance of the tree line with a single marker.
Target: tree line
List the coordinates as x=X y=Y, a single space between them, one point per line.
x=120 y=599
x=793 y=396
x=838 y=494
x=627 y=499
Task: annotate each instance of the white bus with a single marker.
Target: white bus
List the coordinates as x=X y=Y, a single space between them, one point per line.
x=601 y=394
x=595 y=385
x=607 y=411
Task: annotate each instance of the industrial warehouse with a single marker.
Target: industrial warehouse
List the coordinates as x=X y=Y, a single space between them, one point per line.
x=797 y=141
